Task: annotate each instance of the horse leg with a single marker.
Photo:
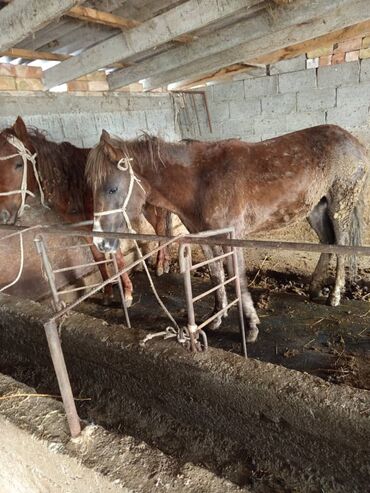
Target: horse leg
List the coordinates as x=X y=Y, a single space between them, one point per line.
x=158 y=218
x=98 y=256
x=126 y=281
x=217 y=274
x=250 y=314
x=321 y=223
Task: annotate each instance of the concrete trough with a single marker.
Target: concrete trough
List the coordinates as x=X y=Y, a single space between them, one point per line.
x=217 y=408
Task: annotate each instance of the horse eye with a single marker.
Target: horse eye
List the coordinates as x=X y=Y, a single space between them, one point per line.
x=19 y=165
x=113 y=190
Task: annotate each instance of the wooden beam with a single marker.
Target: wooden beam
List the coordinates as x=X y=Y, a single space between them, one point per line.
x=293 y=24
x=33 y=55
x=45 y=55
x=360 y=29
x=21 y=18
x=187 y=17
x=111 y=20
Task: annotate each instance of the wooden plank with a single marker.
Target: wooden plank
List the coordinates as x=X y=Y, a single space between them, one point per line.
x=21 y=18
x=99 y=17
x=33 y=55
x=295 y=24
x=187 y=17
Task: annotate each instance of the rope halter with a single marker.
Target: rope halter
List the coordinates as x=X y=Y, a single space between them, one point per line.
x=26 y=155
x=124 y=164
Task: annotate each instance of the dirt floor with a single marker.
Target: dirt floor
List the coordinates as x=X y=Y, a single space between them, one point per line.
x=331 y=343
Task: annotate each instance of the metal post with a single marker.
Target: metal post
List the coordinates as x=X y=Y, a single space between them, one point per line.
x=185 y=266
x=121 y=292
x=41 y=250
x=239 y=296
x=56 y=353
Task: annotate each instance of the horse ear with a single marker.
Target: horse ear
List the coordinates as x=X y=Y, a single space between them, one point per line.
x=20 y=130
x=109 y=149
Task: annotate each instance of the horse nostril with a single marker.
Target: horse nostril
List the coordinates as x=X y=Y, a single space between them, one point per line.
x=4 y=216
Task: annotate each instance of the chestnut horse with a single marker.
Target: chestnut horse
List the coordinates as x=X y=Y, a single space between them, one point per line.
x=60 y=169
x=317 y=173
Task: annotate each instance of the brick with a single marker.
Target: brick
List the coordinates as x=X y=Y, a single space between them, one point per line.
x=7 y=83
x=292 y=65
x=263 y=125
x=338 y=58
x=236 y=128
x=325 y=60
x=306 y=79
x=27 y=72
x=7 y=69
x=280 y=104
x=219 y=111
x=228 y=92
x=356 y=95
x=261 y=86
x=99 y=75
x=312 y=62
x=112 y=122
x=245 y=109
x=338 y=75
x=349 y=116
x=78 y=85
x=348 y=45
x=352 y=56
x=319 y=52
x=301 y=120
x=98 y=85
x=365 y=42
x=365 y=70
x=316 y=99
x=365 y=53
x=29 y=84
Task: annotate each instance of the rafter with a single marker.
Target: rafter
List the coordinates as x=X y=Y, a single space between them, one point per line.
x=294 y=24
x=111 y=20
x=185 y=18
x=21 y=18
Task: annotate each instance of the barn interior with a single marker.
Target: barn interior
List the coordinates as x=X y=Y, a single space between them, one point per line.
x=155 y=416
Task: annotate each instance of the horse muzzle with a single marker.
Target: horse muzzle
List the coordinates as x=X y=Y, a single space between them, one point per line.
x=106 y=245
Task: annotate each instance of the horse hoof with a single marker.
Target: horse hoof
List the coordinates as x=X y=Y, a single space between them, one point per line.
x=333 y=300
x=214 y=325
x=107 y=299
x=128 y=301
x=252 y=334
x=167 y=267
x=159 y=271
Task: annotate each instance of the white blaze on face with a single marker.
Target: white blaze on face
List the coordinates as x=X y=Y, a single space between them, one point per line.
x=97 y=227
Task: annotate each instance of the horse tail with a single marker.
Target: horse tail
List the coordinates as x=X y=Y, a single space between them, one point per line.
x=169 y=224
x=355 y=235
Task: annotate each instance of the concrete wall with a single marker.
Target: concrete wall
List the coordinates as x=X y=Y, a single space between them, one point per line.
x=80 y=119
x=292 y=98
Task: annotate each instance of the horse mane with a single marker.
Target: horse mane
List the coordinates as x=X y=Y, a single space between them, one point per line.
x=146 y=150
x=61 y=167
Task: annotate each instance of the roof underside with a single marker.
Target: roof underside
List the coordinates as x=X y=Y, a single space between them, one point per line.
x=162 y=42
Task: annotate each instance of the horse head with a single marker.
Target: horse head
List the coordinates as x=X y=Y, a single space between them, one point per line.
x=118 y=194
x=17 y=171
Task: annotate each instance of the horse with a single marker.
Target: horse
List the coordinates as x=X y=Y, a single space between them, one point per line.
x=317 y=173
x=30 y=163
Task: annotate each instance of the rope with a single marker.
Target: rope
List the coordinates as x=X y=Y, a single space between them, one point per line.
x=21 y=262
x=134 y=179
x=26 y=155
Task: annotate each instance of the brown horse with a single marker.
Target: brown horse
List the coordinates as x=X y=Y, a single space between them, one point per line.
x=60 y=168
x=316 y=173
